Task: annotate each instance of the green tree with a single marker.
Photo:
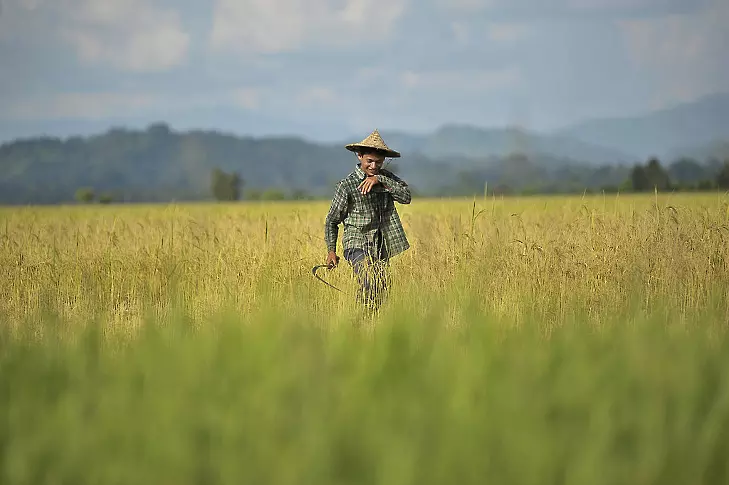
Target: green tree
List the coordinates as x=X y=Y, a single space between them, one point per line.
x=273 y=194
x=518 y=171
x=639 y=179
x=299 y=194
x=225 y=186
x=722 y=177
x=625 y=186
x=657 y=176
x=686 y=171
x=253 y=194
x=85 y=195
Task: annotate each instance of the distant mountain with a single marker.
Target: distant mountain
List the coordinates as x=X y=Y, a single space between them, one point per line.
x=223 y=119
x=160 y=164
x=474 y=142
x=716 y=150
x=157 y=163
x=662 y=133
x=25 y=129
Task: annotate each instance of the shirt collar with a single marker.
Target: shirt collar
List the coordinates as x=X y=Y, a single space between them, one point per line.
x=360 y=173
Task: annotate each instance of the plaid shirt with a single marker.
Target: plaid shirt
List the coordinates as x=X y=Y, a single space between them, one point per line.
x=364 y=215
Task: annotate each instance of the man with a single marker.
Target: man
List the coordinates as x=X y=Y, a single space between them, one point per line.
x=364 y=202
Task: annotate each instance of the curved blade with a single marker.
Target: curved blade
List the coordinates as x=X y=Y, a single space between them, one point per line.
x=314 y=270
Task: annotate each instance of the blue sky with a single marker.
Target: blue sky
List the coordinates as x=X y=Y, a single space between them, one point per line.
x=332 y=69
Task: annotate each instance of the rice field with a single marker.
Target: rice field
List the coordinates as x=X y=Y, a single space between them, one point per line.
x=525 y=340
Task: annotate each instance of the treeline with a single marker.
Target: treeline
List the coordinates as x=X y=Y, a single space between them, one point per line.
x=230 y=187
x=224 y=187
x=158 y=165
x=518 y=174
x=684 y=174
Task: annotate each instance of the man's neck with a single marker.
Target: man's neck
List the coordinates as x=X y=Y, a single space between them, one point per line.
x=362 y=173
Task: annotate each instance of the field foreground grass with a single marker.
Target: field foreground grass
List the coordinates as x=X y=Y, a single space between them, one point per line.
x=282 y=402
x=536 y=340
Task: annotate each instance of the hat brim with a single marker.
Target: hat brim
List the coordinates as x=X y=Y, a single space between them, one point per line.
x=354 y=147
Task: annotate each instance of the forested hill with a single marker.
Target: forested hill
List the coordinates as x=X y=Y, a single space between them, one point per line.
x=158 y=164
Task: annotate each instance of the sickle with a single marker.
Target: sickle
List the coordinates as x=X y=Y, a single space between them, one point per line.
x=313 y=271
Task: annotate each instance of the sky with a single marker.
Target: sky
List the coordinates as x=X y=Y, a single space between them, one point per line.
x=337 y=69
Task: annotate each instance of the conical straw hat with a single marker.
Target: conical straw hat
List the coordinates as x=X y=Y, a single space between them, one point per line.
x=373 y=141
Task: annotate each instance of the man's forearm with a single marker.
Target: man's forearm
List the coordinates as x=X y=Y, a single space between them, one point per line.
x=336 y=215
x=331 y=232
x=399 y=189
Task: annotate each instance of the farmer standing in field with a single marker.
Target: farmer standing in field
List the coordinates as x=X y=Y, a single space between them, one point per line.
x=364 y=202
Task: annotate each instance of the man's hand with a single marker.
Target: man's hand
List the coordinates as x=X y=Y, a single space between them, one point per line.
x=367 y=184
x=332 y=260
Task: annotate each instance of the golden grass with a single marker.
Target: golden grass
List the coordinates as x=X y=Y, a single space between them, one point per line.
x=547 y=258
x=453 y=383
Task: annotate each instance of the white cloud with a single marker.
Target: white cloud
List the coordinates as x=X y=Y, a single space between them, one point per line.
x=317 y=96
x=462 y=81
x=255 y=98
x=100 y=105
x=247 y=97
x=507 y=32
x=685 y=53
x=281 y=98
x=25 y=4
x=461 y=33
x=18 y=17
x=527 y=7
x=133 y=35
x=368 y=74
x=600 y=4
x=77 y=105
x=628 y=5
x=466 y=5
x=500 y=33
x=264 y=26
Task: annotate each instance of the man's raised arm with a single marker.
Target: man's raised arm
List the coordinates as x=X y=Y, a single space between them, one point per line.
x=396 y=186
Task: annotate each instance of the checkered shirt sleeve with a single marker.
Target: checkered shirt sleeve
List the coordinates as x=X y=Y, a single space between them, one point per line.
x=337 y=214
x=396 y=187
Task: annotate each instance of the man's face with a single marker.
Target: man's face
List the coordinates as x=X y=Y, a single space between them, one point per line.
x=371 y=163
